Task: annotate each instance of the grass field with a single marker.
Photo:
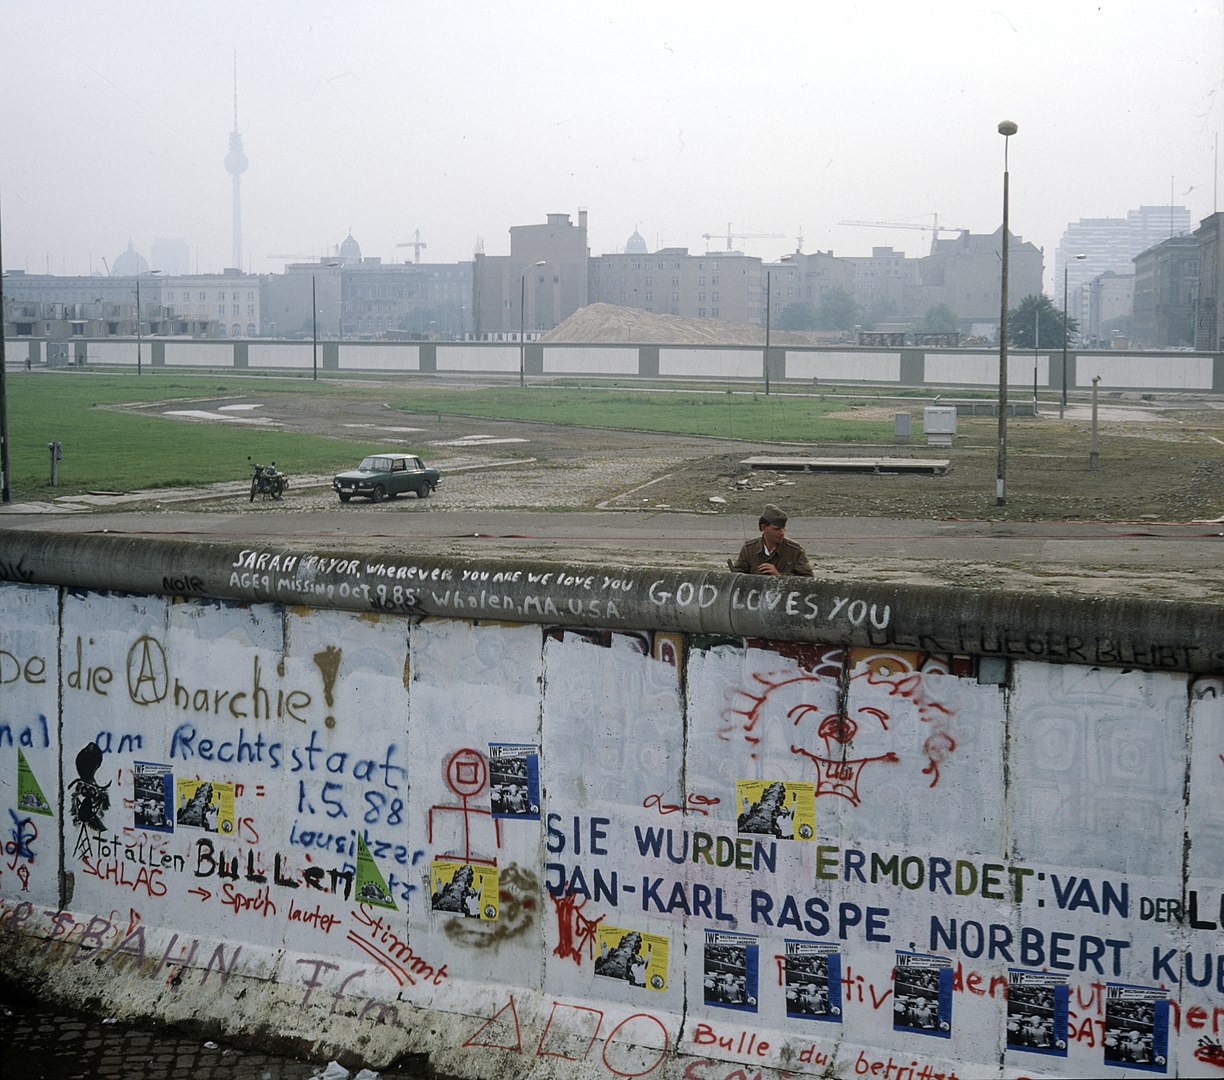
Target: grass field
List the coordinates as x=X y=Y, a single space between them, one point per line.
x=111 y=448
x=679 y=411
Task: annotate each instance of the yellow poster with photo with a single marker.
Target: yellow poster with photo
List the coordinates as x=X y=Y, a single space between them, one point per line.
x=631 y=956
x=467 y=889
x=783 y=809
x=204 y=804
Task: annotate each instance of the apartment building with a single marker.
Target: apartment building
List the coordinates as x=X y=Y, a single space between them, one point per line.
x=724 y=285
x=1166 y=292
x=1111 y=244
x=540 y=284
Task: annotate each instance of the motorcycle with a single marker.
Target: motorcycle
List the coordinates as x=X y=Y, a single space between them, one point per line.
x=268 y=481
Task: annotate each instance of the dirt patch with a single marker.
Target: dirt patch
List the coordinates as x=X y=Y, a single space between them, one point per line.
x=1156 y=462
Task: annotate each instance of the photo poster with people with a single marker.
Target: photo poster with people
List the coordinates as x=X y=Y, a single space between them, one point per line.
x=462 y=888
x=153 y=796
x=922 y=994
x=205 y=804
x=812 y=972
x=514 y=781
x=730 y=970
x=783 y=809
x=30 y=797
x=632 y=956
x=1037 y=1012
x=1137 y=1027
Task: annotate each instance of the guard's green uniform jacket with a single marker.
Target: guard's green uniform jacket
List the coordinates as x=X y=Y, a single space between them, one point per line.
x=787 y=558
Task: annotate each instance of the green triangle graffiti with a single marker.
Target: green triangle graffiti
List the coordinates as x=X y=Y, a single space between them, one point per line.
x=371 y=885
x=30 y=796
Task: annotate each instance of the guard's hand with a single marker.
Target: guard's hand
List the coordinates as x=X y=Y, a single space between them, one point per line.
x=768 y=568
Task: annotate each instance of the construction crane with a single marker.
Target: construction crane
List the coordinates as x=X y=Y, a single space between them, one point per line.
x=733 y=236
x=416 y=244
x=934 y=228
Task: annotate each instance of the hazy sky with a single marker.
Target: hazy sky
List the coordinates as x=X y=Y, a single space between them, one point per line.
x=461 y=119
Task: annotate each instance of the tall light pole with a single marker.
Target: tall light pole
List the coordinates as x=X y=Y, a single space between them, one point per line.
x=138 y=336
x=314 y=320
x=6 y=494
x=768 y=301
x=1062 y=401
x=523 y=321
x=1006 y=129
x=768 y=298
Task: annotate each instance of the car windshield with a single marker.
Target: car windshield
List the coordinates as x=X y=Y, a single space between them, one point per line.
x=375 y=464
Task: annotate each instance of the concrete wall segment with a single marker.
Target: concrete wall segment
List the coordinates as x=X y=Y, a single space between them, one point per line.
x=1170 y=635
x=532 y=846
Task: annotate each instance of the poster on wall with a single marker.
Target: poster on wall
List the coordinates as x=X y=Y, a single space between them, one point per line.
x=30 y=797
x=205 y=804
x=514 y=781
x=1137 y=1027
x=153 y=796
x=730 y=967
x=922 y=994
x=782 y=809
x=370 y=884
x=631 y=956
x=813 y=981
x=1037 y=1012
x=467 y=889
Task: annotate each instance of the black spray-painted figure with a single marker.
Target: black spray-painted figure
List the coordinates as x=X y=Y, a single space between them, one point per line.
x=89 y=800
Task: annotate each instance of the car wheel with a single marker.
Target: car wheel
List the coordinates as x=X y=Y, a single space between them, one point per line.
x=345 y=496
x=379 y=493
x=423 y=491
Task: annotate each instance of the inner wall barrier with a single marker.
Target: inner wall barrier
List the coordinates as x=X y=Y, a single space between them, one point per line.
x=556 y=820
x=1174 y=372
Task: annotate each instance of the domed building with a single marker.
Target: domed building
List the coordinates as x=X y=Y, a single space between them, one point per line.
x=129 y=264
x=350 y=250
x=635 y=245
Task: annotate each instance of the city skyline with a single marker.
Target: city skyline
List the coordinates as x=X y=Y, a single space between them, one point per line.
x=681 y=123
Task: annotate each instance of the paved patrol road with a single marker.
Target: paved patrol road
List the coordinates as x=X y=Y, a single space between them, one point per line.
x=1183 y=561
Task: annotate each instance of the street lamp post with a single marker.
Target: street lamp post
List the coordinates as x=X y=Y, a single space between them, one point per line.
x=768 y=302
x=768 y=299
x=6 y=493
x=523 y=321
x=1006 y=129
x=314 y=320
x=1062 y=401
x=138 y=336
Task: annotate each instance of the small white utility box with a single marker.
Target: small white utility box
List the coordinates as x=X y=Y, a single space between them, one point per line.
x=939 y=422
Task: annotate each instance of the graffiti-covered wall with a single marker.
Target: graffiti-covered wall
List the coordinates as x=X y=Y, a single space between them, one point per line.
x=568 y=847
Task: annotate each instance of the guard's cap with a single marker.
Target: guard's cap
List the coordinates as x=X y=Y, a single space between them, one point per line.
x=773 y=515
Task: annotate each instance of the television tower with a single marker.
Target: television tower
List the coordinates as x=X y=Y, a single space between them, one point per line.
x=236 y=165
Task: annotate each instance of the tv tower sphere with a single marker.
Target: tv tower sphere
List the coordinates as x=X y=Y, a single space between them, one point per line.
x=235 y=160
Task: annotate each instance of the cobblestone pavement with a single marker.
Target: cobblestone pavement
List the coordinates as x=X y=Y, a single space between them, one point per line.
x=40 y=1043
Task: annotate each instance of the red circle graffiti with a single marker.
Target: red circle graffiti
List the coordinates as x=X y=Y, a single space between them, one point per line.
x=466 y=773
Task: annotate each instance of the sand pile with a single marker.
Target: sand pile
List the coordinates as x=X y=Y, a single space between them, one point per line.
x=609 y=323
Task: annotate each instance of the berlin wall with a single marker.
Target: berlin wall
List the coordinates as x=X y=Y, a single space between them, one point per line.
x=557 y=820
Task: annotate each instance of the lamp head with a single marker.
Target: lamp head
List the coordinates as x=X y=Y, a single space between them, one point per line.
x=1080 y=256
x=1007 y=128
